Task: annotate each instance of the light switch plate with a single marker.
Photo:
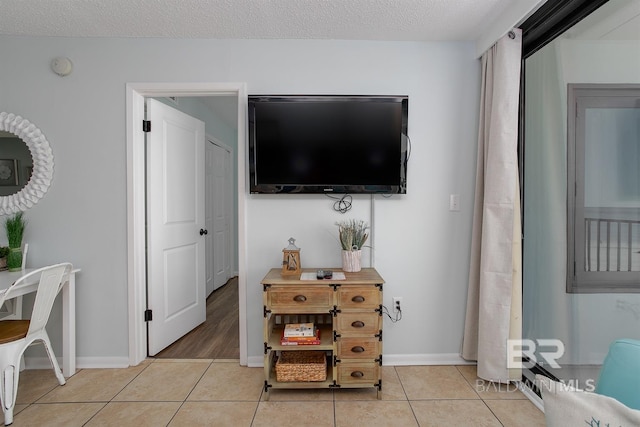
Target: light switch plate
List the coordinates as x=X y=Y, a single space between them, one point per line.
x=454 y=202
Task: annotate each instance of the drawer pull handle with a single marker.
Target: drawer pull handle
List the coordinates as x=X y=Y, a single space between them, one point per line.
x=299 y=298
x=358 y=324
x=358 y=298
x=357 y=374
x=357 y=349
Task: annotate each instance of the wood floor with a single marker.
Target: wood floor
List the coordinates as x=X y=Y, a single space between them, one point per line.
x=217 y=337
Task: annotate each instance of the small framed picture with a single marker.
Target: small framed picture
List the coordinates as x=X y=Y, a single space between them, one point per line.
x=8 y=169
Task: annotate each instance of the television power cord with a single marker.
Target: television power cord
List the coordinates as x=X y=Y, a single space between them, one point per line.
x=395 y=318
x=343 y=204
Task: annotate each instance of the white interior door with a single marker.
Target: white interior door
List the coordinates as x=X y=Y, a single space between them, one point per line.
x=219 y=198
x=175 y=224
x=209 y=201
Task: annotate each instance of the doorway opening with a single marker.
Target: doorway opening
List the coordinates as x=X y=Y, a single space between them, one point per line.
x=136 y=191
x=217 y=337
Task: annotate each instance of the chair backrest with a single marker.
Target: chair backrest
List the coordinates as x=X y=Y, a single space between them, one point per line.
x=620 y=374
x=49 y=284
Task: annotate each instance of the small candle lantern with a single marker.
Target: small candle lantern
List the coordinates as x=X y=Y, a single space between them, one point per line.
x=291 y=259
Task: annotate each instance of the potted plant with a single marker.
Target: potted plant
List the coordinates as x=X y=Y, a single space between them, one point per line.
x=14 y=227
x=4 y=251
x=353 y=235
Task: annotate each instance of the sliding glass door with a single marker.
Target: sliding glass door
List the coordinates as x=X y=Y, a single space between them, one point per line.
x=581 y=197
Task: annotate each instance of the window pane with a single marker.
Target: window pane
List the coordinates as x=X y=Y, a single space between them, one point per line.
x=612 y=189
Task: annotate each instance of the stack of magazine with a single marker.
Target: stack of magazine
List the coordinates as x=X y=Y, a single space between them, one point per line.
x=300 y=334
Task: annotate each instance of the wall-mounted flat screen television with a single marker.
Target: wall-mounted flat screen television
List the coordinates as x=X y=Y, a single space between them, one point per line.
x=328 y=144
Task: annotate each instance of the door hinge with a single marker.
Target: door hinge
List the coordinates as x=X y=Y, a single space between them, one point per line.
x=148 y=315
x=146 y=125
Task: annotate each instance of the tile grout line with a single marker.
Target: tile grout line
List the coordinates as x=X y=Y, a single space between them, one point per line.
x=255 y=412
x=335 y=415
x=115 y=395
x=189 y=394
x=401 y=384
x=415 y=417
x=480 y=397
x=97 y=412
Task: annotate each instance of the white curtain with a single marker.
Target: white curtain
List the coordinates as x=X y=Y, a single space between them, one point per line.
x=494 y=301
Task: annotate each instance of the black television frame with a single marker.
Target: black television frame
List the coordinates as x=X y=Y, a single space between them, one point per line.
x=403 y=140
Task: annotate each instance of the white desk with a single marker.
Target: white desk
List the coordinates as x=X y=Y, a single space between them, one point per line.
x=68 y=313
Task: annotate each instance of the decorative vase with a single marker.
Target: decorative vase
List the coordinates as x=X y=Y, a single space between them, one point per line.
x=14 y=259
x=351 y=260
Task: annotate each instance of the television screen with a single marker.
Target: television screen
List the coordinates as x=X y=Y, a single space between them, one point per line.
x=328 y=144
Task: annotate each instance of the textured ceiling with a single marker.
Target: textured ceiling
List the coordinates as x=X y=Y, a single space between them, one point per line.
x=252 y=19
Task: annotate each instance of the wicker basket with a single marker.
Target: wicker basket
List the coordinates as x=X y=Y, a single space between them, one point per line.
x=301 y=366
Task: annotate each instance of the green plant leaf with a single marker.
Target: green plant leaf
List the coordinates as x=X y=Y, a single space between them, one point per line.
x=14 y=227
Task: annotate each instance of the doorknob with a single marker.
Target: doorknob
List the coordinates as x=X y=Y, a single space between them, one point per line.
x=203 y=231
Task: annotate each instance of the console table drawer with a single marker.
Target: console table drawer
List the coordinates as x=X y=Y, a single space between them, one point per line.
x=300 y=300
x=358 y=323
x=359 y=297
x=355 y=373
x=358 y=348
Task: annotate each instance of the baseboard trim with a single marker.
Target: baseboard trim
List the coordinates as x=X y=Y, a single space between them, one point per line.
x=424 y=359
x=258 y=361
x=398 y=360
x=81 y=362
x=255 y=361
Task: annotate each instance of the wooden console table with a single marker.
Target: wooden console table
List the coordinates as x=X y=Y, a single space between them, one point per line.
x=349 y=315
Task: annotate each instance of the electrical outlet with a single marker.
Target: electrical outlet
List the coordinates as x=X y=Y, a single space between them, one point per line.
x=397 y=305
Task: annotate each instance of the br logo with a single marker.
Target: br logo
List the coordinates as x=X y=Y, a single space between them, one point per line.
x=526 y=353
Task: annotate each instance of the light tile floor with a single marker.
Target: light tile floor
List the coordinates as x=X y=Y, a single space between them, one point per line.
x=165 y=392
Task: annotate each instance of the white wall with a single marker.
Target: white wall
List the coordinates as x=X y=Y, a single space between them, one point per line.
x=421 y=248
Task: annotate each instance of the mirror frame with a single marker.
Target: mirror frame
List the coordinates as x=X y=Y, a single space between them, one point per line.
x=42 y=156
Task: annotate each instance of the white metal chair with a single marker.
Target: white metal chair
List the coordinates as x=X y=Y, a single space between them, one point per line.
x=17 y=335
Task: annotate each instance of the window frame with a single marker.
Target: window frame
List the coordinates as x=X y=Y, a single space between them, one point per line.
x=579 y=98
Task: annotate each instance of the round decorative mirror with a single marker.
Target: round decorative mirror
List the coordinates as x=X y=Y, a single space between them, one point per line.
x=29 y=178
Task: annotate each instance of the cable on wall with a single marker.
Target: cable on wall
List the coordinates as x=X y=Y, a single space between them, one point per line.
x=394 y=319
x=342 y=204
